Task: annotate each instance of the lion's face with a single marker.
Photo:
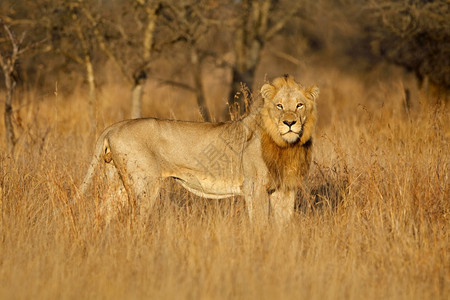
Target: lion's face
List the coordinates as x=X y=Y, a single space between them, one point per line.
x=287 y=106
x=287 y=110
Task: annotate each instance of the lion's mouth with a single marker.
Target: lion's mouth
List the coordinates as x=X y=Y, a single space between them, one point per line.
x=291 y=136
x=299 y=133
x=290 y=132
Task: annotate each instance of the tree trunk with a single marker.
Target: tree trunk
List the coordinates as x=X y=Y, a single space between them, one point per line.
x=10 y=137
x=141 y=75
x=248 y=43
x=87 y=60
x=92 y=95
x=7 y=65
x=136 y=100
x=198 y=83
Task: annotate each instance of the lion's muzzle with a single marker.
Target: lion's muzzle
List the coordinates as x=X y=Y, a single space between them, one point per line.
x=289 y=123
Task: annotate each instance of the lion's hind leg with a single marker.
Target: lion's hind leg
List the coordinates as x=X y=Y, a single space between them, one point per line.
x=146 y=190
x=142 y=180
x=114 y=200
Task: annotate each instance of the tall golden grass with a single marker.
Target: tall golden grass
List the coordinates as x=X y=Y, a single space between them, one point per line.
x=372 y=221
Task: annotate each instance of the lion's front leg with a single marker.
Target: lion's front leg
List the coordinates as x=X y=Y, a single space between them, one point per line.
x=257 y=202
x=282 y=205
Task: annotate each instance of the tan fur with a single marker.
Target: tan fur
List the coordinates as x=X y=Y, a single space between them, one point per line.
x=288 y=165
x=266 y=152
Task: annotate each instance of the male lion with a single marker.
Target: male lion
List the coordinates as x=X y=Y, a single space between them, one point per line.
x=263 y=156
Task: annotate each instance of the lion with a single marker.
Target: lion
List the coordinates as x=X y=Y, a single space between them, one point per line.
x=264 y=156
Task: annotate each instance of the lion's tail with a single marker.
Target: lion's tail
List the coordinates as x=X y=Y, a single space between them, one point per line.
x=100 y=148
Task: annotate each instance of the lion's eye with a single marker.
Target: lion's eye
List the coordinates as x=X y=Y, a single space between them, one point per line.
x=280 y=106
x=300 y=105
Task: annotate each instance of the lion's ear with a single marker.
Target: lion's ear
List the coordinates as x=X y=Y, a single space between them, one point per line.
x=268 y=91
x=312 y=93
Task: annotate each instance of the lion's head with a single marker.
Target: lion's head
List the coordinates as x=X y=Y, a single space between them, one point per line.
x=289 y=112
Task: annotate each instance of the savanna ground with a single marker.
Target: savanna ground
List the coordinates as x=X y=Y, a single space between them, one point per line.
x=372 y=220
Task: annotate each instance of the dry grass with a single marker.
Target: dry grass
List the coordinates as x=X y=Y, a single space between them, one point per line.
x=373 y=223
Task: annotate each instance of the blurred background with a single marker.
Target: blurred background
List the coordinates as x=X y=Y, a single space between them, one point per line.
x=197 y=60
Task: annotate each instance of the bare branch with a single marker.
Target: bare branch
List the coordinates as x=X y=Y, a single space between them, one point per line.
x=175 y=84
x=32 y=46
x=271 y=32
x=17 y=43
x=215 y=22
x=149 y=31
x=14 y=44
x=286 y=56
x=72 y=56
x=103 y=45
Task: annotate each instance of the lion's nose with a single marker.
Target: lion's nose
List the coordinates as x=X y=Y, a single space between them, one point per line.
x=289 y=123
